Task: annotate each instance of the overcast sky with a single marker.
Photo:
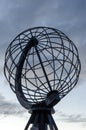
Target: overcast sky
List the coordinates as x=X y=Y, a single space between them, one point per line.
x=68 y=16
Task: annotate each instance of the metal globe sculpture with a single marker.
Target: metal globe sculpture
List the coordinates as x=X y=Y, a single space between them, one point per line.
x=42 y=66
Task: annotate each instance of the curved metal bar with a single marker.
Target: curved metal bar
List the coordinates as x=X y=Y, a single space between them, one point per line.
x=18 y=88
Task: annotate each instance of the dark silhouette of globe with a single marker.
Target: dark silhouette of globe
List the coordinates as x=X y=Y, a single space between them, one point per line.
x=54 y=52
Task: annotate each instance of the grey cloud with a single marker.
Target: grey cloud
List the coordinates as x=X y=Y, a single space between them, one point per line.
x=9 y=108
x=75 y=119
x=82 y=53
x=73 y=19
x=72 y=118
x=19 y=15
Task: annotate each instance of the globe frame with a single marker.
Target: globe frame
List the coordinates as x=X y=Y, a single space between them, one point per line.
x=41 y=42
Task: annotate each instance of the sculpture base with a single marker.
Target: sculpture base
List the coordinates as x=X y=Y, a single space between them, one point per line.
x=41 y=120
